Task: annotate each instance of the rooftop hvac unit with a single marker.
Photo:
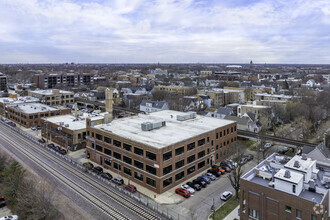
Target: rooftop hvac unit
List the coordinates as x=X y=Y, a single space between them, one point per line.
x=186 y=116
x=304 y=157
x=67 y=125
x=296 y=164
x=287 y=174
x=312 y=187
x=148 y=126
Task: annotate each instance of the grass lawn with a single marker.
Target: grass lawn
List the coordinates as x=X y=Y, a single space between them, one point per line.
x=248 y=143
x=227 y=208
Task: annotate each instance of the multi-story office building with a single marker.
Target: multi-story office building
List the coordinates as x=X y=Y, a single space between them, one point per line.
x=281 y=188
x=161 y=149
x=4 y=102
x=53 y=80
x=3 y=82
x=53 y=96
x=29 y=114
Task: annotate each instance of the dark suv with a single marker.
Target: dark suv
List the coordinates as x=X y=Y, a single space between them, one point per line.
x=202 y=183
x=98 y=170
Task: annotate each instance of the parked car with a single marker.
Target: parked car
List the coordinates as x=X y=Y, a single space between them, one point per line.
x=214 y=172
x=88 y=165
x=249 y=157
x=131 y=188
x=38 y=127
x=183 y=192
x=10 y=217
x=195 y=186
x=57 y=148
x=267 y=145
x=202 y=183
x=206 y=179
x=51 y=145
x=234 y=164
x=118 y=180
x=107 y=176
x=98 y=170
x=283 y=150
x=62 y=151
x=242 y=161
x=2 y=202
x=42 y=140
x=33 y=128
x=210 y=176
x=190 y=189
x=226 y=195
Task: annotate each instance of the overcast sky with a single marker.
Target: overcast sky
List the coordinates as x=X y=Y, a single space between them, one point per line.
x=151 y=31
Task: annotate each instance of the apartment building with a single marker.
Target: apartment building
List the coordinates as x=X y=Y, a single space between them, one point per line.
x=29 y=114
x=53 y=80
x=258 y=110
x=205 y=73
x=4 y=102
x=3 y=82
x=222 y=97
x=53 y=96
x=284 y=188
x=249 y=93
x=162 y=149
x=181 y=90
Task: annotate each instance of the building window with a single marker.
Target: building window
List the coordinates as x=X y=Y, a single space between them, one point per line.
x=191 y=158
x=201 y=164
x=127 y=160
x=138 y=164
x=287 y=208
x=150 y=156
x=232 y=130
x=151 y=169
x=298 y=214
x=224 y=132
x=98 y=148
x=179 y=164
x=217 y=156
x=107 y=140
x=167 y=155
x=208 y=139
x=313 y=217
x=179 y=151
x=167 y=169
x=107 y=161
x=179 y=176
x=127 y=147
x=167 y=182
x=138 y=151
x=138 y=176
x=117 y=143
x=201 y=142
x=220 y=133
x=254 y=213
x=294 y=188
x=107 y=151
x=127 y=171
x=117 y=155
x=151 y=182
x=191 y=146
x=190 y=170
x=116 y=166
x=227 y=130
x=98 y=137
x=201 y=154
x=217 y=135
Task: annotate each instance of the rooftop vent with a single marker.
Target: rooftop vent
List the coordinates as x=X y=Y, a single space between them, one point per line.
x=148 y=126
x=186 y=116
x=287 y=174
x=296 y=164
x=304 y=157
x=312 y=187
x=66 y=125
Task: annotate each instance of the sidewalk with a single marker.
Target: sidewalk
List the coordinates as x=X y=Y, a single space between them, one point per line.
x=233 y=214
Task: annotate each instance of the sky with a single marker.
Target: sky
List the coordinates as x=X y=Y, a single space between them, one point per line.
x=165 y=31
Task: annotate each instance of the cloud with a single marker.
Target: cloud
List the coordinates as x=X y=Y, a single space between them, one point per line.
x=165 y=31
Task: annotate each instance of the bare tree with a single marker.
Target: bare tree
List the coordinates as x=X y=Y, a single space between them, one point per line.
x=234 y=179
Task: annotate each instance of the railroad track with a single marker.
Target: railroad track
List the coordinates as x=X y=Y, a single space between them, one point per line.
x=273 y=138
x=115 y=196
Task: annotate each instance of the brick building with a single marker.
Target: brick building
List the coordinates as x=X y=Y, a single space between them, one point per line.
x=161 y=149
x=283 y=188
x=29 y=114
x=4 y=102
x=53 y=96
x=3 y=82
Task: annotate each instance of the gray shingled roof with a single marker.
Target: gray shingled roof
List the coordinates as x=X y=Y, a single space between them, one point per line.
x=224 y=111
x=241 y=121
x=155 y=104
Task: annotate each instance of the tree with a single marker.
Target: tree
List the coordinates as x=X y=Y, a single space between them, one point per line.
x=234 y=179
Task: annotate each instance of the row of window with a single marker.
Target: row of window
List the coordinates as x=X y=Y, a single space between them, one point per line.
x=255 y=213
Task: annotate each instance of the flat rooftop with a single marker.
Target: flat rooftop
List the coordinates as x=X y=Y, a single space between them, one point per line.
x=303 y=165
x=174 y=132
x=274 y=95
x=32 y=108
x=50 y=92
x=256 y=106
x=21 y=99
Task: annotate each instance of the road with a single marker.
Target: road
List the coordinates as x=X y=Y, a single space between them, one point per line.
x=95 y=197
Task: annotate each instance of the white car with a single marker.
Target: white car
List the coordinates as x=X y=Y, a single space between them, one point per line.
x=10 y=217
x=210 y=176
x=226 y=195
x=267 y=145
x=186 y=187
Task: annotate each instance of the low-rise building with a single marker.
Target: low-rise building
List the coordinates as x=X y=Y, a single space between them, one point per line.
x=180 y=90
x=284 y=188
x=4 y=102
x=153 y=106
x=162 y=149
x=29 y=114
x=53 y=96
x=258 y=110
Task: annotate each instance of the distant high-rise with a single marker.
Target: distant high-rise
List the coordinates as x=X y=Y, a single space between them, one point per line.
x=251 y=65
x=3 y=82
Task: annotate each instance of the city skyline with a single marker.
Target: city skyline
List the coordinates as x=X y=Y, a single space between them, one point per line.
x=141 y=31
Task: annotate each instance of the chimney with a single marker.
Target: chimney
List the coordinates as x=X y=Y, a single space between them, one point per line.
x=75 y=110
x=108 y=104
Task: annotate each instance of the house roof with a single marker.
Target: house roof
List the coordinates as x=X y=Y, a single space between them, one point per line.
x=241 y=121
x=155 y=104
x=224 y=111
